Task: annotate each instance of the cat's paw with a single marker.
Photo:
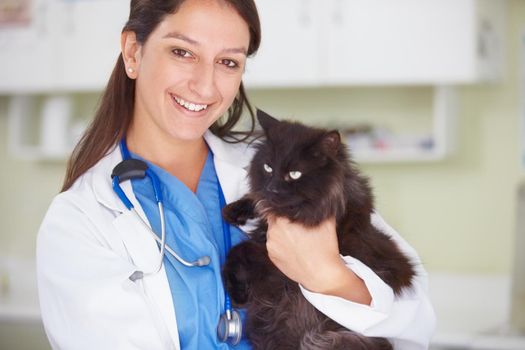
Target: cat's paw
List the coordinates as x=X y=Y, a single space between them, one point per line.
x=239 y=212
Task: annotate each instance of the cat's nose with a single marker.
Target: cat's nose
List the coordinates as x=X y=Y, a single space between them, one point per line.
x=272 y=188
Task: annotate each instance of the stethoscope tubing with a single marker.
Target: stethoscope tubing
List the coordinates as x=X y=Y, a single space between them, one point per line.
x=202 y=261
x=139 y=169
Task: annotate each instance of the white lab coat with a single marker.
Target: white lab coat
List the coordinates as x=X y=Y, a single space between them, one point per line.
x=89 y=244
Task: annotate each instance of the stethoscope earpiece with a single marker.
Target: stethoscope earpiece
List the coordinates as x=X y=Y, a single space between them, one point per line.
x=126 y=170
x=130 y=169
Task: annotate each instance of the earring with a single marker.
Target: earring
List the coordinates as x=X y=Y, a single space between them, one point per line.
x=130 y=70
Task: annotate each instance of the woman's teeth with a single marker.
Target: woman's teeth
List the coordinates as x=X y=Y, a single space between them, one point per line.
x=190 y=106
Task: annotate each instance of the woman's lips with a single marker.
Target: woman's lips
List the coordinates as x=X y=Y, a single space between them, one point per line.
x=190 y=106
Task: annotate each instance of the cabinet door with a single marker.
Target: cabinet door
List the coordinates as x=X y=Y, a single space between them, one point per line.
x=402 y=41
x=89 y=41
x=27 y=52
x=67 y=45
x=289 y=51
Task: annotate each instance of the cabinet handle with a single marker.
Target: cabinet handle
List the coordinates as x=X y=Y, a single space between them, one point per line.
x=338 y=13
x=41 y=15
x=305 y=12
x=486 y=43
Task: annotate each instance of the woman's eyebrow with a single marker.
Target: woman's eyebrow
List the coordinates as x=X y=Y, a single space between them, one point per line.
x=180 y=36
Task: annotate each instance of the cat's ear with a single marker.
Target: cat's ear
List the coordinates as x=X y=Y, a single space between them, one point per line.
x=266 y=121
x=331 y=142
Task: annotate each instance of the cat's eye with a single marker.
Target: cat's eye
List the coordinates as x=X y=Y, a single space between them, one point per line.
x=294 y=175
x=268 y=168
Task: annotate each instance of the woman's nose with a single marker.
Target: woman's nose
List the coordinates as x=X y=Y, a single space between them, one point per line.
x=202 y=81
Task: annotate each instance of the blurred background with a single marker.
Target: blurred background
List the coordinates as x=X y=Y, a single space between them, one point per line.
x=429 y=94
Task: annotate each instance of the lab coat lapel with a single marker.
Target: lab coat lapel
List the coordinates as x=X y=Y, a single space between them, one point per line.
x=140 y=245
x=135 y=234
x=231 y=164
x=144 y=252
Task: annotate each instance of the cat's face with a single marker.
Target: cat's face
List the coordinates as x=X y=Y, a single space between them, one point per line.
x=295 y=172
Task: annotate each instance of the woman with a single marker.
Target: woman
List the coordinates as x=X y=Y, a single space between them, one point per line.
x=100 y=283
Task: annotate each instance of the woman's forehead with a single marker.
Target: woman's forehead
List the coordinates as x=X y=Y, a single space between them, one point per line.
x=203 y=22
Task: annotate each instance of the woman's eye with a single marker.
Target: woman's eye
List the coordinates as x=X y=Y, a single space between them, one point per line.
x=181 y=53
x=268 y=168
x=295 y=175
x=229 y=63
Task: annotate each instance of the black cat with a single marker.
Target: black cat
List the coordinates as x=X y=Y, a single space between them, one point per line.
x=304 y=174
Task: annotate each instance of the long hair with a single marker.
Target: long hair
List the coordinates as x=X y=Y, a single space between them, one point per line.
x=115 y=110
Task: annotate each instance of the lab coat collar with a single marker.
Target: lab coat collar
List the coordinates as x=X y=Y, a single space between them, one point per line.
x=102 y=182
x=231 y=163
x=238 y=154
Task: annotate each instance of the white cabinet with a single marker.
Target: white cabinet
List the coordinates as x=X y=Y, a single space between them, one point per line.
x=27 y=53
x=72 y=45
x=288 y=53
x=67 y=46
x=90 y=42
x=352 y=42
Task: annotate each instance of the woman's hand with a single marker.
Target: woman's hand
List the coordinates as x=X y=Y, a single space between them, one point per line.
x=310 y=256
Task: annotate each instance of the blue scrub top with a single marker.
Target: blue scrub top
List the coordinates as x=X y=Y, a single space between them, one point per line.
x=193 y=229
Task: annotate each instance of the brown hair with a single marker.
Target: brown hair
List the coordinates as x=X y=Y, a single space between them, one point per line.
x=114 y=113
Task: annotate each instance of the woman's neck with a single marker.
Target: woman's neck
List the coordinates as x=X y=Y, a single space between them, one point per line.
x=183 y=159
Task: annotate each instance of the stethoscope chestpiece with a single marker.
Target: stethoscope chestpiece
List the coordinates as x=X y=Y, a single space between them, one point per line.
x=229 y=329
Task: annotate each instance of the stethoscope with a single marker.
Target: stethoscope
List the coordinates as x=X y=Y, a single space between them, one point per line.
x=229 y=328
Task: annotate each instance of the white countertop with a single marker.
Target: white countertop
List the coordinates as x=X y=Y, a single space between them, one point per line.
x=18 y=290
x=473 y=312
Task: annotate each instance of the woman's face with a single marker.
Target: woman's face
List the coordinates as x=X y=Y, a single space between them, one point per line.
x=189 y=70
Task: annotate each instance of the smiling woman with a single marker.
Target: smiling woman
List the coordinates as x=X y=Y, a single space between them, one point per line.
x=188 y=74
x=104 y=281
x=150 y=18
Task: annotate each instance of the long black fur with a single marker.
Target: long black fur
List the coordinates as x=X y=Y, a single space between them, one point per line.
x=278 y=316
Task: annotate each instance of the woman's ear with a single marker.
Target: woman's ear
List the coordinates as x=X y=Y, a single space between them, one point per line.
x=131 y=50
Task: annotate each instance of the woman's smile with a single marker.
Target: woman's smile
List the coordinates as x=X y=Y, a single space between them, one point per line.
x=190 y=106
